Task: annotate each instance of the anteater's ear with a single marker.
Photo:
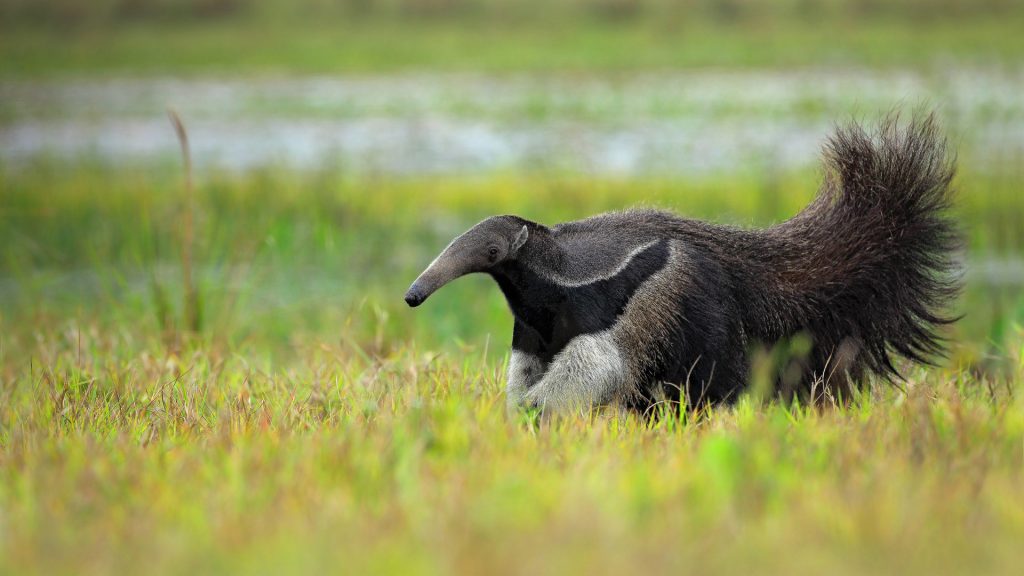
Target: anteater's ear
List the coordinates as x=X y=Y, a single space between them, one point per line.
x=519 y=241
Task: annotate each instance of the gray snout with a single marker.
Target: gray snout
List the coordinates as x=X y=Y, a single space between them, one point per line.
x=441 y=271
x=414 y=297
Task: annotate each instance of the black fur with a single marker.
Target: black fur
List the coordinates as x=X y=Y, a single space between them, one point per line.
x=556 y=314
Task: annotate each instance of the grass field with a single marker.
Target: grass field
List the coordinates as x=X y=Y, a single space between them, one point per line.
x=313 y=422
x=405 y=463
x=284 y=411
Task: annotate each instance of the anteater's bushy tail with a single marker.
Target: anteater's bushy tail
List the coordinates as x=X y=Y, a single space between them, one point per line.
x=869 y=266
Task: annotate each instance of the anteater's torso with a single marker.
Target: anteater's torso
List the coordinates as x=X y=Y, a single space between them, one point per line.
x=634 y=286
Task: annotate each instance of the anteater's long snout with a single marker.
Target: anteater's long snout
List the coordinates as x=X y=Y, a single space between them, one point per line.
x=442 y=271
x=421 y=289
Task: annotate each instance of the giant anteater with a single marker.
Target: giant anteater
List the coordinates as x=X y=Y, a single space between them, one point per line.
x=642 y=306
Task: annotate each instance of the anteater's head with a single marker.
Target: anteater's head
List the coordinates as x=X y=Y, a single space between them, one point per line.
x=484 y=246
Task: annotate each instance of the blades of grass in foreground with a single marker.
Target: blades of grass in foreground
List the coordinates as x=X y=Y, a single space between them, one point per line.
x=191 y=301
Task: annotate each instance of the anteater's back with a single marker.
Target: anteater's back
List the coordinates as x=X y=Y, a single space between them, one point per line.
x=866 y=270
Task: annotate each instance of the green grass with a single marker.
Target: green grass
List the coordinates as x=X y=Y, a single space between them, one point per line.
x=336 y=46
x=315 y=423
x=118 y=457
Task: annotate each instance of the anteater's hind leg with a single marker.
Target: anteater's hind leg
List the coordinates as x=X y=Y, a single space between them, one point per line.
x=839 y=373
x=830 y=374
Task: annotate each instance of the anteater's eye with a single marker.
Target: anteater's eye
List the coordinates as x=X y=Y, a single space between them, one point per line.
x=492 y=252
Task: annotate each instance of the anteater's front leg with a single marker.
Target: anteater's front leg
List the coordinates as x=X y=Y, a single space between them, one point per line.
x=525 y=367
x=525 y=370
x=587 y=373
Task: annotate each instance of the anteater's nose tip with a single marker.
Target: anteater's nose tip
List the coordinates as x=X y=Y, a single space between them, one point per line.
x=413 y=299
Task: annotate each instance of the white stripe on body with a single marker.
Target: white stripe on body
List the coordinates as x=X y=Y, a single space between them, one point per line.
x=605 y=367
x=563 y=280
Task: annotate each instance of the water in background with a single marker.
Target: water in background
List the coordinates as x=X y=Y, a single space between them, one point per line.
x=674 y=123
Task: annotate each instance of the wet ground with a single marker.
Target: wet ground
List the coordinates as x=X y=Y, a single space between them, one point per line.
x=694 y=122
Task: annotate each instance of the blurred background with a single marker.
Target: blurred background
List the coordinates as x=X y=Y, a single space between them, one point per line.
x=338 y=145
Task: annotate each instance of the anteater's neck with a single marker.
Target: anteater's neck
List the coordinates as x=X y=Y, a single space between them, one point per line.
x=533 y=299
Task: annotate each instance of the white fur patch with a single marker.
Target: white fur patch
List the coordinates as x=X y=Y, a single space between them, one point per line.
x=523 y=371
x=577 y=282
x=588 y=372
